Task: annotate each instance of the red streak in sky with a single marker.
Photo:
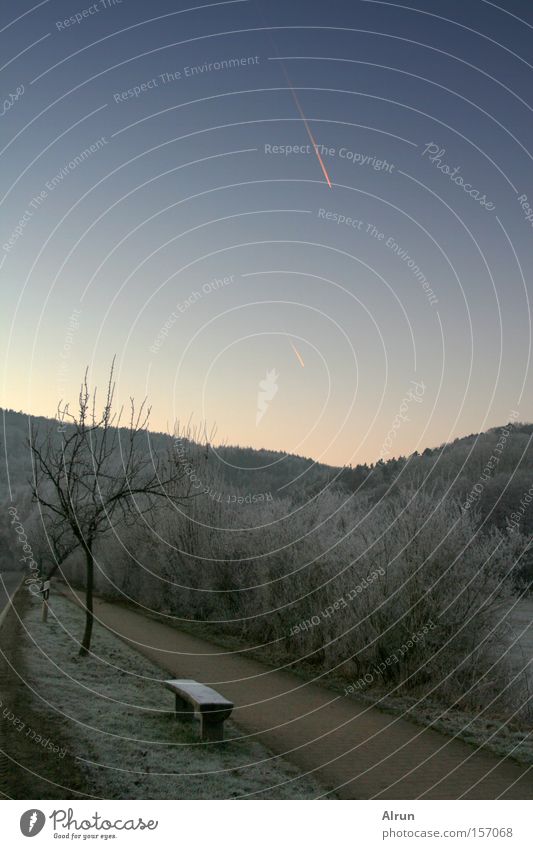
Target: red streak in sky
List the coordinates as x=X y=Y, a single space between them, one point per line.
x=300 y=360
x=306 y=125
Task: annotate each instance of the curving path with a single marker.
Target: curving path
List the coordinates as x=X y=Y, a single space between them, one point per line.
x=353 y=749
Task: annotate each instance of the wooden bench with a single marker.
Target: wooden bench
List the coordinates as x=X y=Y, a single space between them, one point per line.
x=192 y=697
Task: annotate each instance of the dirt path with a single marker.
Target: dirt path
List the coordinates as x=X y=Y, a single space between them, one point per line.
x=355 y=750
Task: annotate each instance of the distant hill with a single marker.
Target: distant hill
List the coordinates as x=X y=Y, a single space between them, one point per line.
x=240 y=470
x=490 y=472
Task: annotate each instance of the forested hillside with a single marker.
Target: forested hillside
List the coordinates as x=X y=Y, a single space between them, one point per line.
x=335 y=566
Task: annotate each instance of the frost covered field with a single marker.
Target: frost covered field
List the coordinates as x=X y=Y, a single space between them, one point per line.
x=117 y=716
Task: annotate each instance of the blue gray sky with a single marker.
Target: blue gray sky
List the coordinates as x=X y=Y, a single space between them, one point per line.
x=162 y=201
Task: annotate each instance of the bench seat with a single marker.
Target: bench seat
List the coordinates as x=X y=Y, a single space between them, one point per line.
x=193 y=697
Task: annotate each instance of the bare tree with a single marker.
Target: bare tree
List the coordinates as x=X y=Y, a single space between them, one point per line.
x=92 y=474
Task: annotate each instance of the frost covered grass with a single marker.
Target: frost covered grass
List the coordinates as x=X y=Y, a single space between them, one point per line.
x=118 y=723
x=501 y=736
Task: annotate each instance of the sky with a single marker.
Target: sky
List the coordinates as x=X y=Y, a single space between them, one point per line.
x=307 y=224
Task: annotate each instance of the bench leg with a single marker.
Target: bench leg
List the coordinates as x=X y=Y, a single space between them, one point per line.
x=184 y=711
x=210 y=730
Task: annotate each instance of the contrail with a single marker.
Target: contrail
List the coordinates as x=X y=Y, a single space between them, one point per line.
x=297 y=102
x=300 y=360
x=306 y=125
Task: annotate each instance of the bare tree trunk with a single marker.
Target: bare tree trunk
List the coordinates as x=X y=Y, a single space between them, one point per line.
x=86 y=642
